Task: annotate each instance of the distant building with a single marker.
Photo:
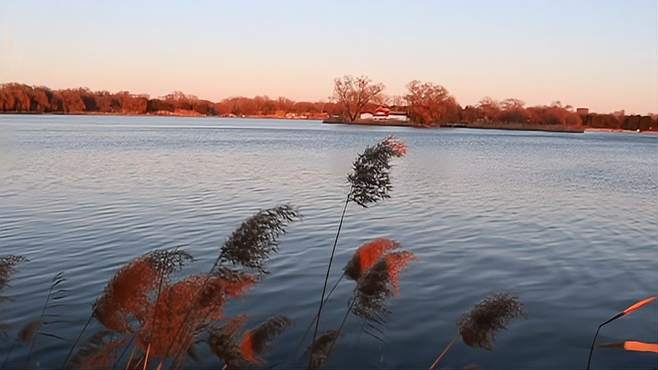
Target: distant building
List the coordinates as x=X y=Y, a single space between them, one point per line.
x=383 y=114
x=582 y=111
x=398 y=116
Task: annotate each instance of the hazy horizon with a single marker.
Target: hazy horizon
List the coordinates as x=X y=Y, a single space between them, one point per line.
x=597 y=54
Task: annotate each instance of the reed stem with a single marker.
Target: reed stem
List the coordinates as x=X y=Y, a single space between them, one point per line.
x=77 y=340
x=146 y=357
x=342 y=324
x=591 y=348
x=343 y=321
x=326 y=277
x=310 y=325
x=132 y=352
x=443 y=353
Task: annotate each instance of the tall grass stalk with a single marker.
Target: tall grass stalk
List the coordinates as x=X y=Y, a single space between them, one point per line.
x=369 y=182
x=326 y=277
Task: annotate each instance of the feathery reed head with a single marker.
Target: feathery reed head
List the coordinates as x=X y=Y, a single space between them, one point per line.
x=257 y=238
x=633 y=346
x=378 y=283
x=127 y=294
x=366 y=256
x=383 y=276
x=639 y=305
x=223 y=340
x=478 y=327
x=256 y=341
x=321 y=349
x=204 y=295
x=168 y=261
x=8 y=267
x=370 y=176
x=232 y=283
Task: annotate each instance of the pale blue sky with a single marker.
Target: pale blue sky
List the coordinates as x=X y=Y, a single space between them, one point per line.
x=600 y=54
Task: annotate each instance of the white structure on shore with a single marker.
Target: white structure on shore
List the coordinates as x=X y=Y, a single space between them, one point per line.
x=384 y=114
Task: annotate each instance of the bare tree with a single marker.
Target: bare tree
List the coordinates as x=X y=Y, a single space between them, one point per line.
x=490 y=109
x=353 y=94
x=429 y=103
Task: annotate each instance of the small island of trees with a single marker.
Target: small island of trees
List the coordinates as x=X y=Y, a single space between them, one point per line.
x=428 y=104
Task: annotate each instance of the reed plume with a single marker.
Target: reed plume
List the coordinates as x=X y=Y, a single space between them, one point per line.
x=321 y=349
x=632 y=308
x=128 y=294
x=369 y=297
x=632 y=346
x=362 y=260
x=256 y=239
x=257 y=341
x=204 y=294
x=380 y=282
x=369 y=182
x=223 y=341
x=367 y=255
x=370 y=177
x=7 y=269
x=479 y=326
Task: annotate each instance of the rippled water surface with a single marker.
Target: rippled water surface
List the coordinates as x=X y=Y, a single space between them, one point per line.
x=568 y=222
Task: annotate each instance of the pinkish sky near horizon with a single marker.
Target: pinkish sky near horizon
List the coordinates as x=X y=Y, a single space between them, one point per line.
x=597 y=54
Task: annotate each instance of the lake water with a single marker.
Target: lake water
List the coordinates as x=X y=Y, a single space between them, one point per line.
x=568 y=222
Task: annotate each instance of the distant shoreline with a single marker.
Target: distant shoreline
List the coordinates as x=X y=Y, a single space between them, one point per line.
x=512 y=126
x=373 y=123
x=509 y=126
x=172 y=114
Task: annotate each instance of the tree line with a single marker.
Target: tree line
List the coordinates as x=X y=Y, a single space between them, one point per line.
x=21 y=98
x=426 y=104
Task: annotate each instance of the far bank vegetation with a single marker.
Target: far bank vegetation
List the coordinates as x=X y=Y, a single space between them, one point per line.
x=425 y=104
